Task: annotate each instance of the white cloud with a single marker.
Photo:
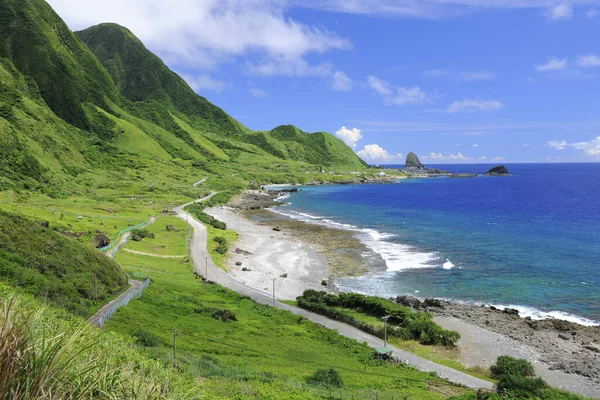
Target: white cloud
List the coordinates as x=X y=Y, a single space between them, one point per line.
x=379 y=85
x=498 y=159
x=373 y=153
x=473 y=76
x=413 y=95
x=434 y=9
x=208 y=32
x=474 y=105
x=473 y=133
x=203 y=82
x=295 y=66
x=593 y=13
x=554 y=64
x=341 y=82
x=349 y=136
x=475 y=145
x=453 y=158
x=588 y=61
x=590 y=148
x=559 y=12
x=258 y=93
x=399 y=96
x=435 y=73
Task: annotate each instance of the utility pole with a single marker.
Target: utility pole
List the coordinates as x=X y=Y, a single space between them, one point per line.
x=174 y=348
x=385 y=330
x=274 y=279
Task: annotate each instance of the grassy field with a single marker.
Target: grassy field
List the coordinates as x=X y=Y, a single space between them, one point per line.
x=230 y=236
x=265 y=349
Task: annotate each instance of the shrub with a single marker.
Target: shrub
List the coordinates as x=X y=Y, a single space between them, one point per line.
x=146 y=338
x=506 y=365
x=220 y=240
x=143 y=233
x=326 y=377
x=222 y=249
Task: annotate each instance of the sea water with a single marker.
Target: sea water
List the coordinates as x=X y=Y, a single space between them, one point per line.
x=529 y=241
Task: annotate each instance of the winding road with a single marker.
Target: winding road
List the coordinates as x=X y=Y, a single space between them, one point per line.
x=200 y=257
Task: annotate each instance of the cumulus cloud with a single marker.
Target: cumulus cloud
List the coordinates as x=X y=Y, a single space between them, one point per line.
x=553 y=64
x=258 y=93
x=475 y=145
x=203 y=82
x=593 y=13
x=373 y=153
x=588 y=61
x=590 y=148
x=208 y=32
x=559 y=12
x=474 y=105
x=473 y=76
x=341 y=82
x=349 y=136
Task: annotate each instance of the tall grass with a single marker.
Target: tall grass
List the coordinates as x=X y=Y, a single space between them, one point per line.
x=45 y=354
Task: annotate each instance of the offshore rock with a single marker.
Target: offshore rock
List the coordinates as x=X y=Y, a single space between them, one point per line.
x=500 y=170
x=412 y=161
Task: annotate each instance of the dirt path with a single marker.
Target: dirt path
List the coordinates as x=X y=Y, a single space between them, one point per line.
x=141 y=253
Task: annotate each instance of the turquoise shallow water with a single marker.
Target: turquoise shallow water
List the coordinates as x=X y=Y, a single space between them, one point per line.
x=531 y=240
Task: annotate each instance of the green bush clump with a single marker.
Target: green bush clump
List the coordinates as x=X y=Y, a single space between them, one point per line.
x=403 y=322
x=145 y=338
x=222 y=249
x=220 y=240
x=143 y=233
x=197 y=211
x=328 y=377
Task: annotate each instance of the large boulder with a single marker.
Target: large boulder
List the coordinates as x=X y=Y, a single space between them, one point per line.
x=101 y=241
x=500 y=170
x=412 y=161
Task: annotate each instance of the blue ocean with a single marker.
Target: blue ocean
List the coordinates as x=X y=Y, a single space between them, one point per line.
x=529 y=241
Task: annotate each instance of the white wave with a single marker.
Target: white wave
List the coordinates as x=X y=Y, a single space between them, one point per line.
x=397 y=256
x=282 y=196
x=448 y=264
x=538 y=315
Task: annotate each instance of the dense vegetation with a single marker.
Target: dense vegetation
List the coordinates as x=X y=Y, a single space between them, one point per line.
x=403 y=323
x=197 y=211
x=517 y=380
x=55 y=268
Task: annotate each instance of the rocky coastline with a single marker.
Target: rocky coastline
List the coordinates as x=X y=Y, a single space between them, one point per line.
x=561 y=345
x=554 y=345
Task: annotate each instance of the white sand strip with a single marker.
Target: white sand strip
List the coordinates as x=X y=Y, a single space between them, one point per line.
x=272 y=255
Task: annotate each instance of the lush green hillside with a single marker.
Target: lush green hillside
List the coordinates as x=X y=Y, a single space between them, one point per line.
x=56 y=268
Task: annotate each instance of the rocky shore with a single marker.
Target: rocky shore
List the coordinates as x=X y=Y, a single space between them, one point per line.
x=565 y=354
x=552 y=344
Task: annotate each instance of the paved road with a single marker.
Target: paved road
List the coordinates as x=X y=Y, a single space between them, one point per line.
x=134 y=285
x=141 y=253
x=212 y=272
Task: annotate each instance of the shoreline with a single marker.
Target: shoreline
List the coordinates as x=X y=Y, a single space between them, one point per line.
x=564 y=353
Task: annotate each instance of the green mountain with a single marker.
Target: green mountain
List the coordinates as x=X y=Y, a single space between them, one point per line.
x=77 y=109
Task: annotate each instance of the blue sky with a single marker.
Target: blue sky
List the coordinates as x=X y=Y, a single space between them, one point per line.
x=452 y=80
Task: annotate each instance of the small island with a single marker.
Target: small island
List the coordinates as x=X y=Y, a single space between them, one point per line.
x=416 y=169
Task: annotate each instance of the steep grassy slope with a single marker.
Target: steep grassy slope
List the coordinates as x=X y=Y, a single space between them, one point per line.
x=43 y=48
x=58 y=269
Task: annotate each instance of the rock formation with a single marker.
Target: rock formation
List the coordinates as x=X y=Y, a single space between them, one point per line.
x=499 y=170
x=412 y=161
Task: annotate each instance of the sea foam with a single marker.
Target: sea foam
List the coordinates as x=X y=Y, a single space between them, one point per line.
x=397 y=256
